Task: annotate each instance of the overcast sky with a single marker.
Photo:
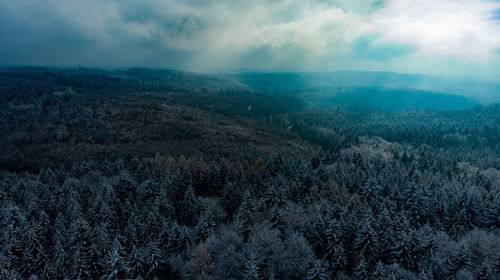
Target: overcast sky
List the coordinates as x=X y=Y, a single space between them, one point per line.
x=416 y=36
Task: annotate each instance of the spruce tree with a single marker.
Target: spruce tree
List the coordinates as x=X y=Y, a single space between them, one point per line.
x=457 y=261
x=134 y=267
x=361 y=271
x=190 y=208
x=366 y=243
x=251 y=270
x=318 y=271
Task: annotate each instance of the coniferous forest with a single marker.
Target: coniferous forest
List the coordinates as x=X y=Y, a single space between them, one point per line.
x=159 y=174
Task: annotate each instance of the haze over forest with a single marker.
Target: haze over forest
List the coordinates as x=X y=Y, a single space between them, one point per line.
x=231 y=139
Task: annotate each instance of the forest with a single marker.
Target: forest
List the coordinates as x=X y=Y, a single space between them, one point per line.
x=162 y=174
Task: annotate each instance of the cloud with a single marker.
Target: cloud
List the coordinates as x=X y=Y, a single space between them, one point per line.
x=371 y=47
x=496 y=15
x=289 y=35
x=447 y=28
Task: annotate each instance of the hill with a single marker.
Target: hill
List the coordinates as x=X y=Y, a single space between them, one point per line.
x=484 y=92
x=55 y=117
x=382 y=99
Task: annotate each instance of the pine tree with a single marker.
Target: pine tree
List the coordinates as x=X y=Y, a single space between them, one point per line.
x=315 y=232
x=409 y=249
x=95 y=263
x=231 y=198
x=80 y=268
x=154 y=262
x=318 y=271
x=439 y=210
x=115 y=262
x=273 y=197
x=379 y=272
x=34 y=260
x=425 y=275
x=244 y=212
x=190 y=208
x=335 y=252
x=276 y=219
x=58 y=268
x=334 y=238
x=416 y=204
x=205 y=226
x=251 y=271
x=388 y=231
x=492 y=217
x=10 y=274
x=457 y=261
x=366 y=243
x=11 y=249
x=134 y=264
x=339 y=261
x=371 y=191
x=125 y=187
x=496 y=263
x=467 y=214
x=80 y=246
x=361 y=270
x=484 y=272
x=178 y=239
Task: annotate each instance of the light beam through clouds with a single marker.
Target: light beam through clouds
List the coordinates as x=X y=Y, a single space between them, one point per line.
x=427 y=36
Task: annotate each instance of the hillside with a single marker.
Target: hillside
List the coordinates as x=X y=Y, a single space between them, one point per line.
x=383 y=99
x=54 y=117
x=484 y=92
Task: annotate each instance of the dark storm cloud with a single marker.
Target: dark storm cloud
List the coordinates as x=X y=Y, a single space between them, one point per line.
x=88 y=33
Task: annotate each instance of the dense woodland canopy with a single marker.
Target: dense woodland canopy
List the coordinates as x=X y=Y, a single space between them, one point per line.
x=155 y=174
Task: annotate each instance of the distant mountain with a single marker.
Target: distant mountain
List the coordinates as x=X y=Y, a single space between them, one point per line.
x=358 y=91
x=185 y=79
x=383 y=99
x=483 y=92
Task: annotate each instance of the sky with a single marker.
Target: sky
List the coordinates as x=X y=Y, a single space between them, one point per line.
x=446 y=37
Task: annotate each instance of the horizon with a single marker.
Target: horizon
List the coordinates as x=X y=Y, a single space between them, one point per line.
x=467 y=77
